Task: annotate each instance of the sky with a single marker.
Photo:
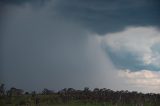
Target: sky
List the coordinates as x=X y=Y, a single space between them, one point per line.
x=58 y=44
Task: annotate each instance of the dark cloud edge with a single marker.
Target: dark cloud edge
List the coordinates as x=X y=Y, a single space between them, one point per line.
x=21 y=2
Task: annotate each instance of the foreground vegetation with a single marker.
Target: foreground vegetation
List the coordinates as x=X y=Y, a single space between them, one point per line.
x=72 y=97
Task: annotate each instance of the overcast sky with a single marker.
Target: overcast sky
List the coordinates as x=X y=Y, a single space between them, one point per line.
x=58 y=44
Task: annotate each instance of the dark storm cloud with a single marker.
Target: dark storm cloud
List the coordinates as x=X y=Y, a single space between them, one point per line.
x=39 y=49
x=104 y=16
x=20 y=2
x=55 y=46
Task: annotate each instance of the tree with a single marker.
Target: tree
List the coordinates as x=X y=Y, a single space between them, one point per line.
x=47 y=92
x=15 y=92
x=2 y=90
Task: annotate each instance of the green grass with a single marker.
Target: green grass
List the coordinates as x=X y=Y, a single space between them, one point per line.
x=52 y=100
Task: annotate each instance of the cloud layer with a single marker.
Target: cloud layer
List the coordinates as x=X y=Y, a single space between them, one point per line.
x=103 y=16
x=135 y=48
x=135 y=54
x=42 y=50
x=78 y=43
x=144 y=80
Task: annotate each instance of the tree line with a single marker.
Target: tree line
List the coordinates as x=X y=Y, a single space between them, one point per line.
x=102 y=96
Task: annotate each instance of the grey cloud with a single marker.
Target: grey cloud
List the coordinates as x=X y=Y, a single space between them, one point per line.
x=135 y=48
x=156 y=47
x=20 y=2
x=126 y=60
x=48 y=47
x=39 y=50
x=102 y=16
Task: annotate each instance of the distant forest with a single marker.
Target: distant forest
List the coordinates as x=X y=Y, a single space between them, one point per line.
x=70 y=96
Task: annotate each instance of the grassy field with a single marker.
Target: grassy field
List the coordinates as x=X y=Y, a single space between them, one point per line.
x=56 y=100
x=72 y=97
x=49 y=100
